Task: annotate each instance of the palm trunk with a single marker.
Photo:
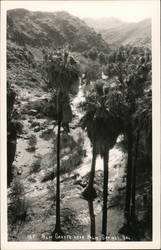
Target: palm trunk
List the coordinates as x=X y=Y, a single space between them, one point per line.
x=105 y=196
x=89 y=193
x=92 y=218
x=58 y=179
x=11 y=151
x=92 y=172
x=134 y=177
x=129 y=176
x=57 y=232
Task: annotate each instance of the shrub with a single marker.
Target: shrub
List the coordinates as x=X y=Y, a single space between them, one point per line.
x=17 y=204
x=47 y=134
x=32 y=143
x=102 y=58
x=32 y=140
x=36 y=166
x=93 y=53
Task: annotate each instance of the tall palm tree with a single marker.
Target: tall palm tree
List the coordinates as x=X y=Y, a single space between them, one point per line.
x=132 y=69
x=143 y=119
x=103 y=129
x=63 y=75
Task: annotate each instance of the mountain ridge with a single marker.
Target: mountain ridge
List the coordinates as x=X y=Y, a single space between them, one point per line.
x=103 y=22
x=133 y=33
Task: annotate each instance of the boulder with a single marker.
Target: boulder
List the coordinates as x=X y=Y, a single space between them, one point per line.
x=32 y=112
x=37 y=129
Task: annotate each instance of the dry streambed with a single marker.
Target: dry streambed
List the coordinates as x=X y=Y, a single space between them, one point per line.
x=32 y=195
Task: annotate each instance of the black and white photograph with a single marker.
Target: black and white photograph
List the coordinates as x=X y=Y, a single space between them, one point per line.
x=79 y=162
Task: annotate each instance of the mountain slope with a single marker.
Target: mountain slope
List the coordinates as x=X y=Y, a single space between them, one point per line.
x=52 y=29
x=118 y=33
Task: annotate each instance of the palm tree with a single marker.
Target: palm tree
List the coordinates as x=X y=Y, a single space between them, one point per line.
x=103 y=129
x=131 y=67
x=143 y=121
x=63 y=74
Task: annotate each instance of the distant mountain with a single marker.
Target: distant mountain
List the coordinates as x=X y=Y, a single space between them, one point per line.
x=116 y=32
x=103 y=23
x=37 y=28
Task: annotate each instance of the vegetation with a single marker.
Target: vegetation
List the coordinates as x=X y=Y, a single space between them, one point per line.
x=14 y=127
x=17 y=206
x=93 y=53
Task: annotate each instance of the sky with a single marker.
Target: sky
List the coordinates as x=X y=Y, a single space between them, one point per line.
x=128 y=10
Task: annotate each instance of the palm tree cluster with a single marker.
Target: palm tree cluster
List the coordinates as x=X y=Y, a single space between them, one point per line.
x=121 y=104
x=103 y=128
x=132 y=68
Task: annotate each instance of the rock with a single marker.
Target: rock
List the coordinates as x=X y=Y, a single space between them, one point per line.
x=72 y=127
x=37 y=155
x=79 y=182
x=49 y=176
x=23 y=117
x=53 y=123
x=47 y=134
x=124 y=178
x=31 y=180
x=39 y=116
x=66 y=150
x=65 y=159
x=121 y=188
x=31 y=149
x=37 y=129
x=32 y=112
x=19 y=171
x=35 y=124
x=84 y=153
x=75 y=176
x=38 y=95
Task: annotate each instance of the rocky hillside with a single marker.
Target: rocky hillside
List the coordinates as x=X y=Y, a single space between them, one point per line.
x=31 y=34
x=52 y=29
x=116 y=32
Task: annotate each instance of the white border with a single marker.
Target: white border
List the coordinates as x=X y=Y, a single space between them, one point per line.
x=155 y=244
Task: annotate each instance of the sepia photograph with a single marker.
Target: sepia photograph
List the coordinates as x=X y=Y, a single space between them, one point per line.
x=79 y=162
